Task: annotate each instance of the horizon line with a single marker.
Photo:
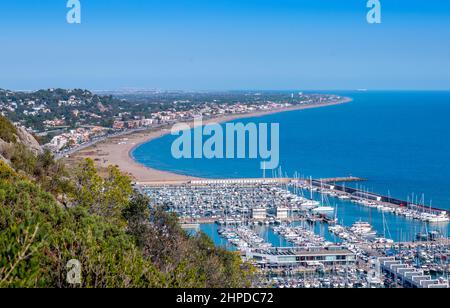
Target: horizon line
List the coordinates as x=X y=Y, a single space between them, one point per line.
x=137 y=89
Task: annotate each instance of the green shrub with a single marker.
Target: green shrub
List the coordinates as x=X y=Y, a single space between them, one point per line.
x=111 y=231
x=8 y=132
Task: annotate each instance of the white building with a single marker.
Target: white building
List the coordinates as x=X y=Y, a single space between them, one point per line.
x=58 y=142
x=147 y=122
x=259 y=213
x=282 y=213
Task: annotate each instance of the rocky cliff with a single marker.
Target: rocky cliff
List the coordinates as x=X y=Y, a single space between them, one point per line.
x=11 y=136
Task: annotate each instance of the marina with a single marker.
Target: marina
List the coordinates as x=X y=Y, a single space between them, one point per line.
x=411 y=208
x=201 y=148
x=300 y=233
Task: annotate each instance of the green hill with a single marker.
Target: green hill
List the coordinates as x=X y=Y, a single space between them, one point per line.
x=50 y=215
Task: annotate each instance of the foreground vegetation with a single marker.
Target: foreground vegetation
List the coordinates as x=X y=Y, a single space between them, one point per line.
x=49 y=216
x=7 y=130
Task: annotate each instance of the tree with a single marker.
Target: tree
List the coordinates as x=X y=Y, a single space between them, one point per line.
x=117 y=235
x=104 y=197
x=38 y=237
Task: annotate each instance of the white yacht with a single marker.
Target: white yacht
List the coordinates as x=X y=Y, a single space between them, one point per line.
x=363 y=228
x=323 y=209
x=309 y=203
x=344 y=197
x=443 y=217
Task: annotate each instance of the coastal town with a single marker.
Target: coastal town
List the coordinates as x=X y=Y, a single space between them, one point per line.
x=290 y=228
x=68 y=119
x=225 y=152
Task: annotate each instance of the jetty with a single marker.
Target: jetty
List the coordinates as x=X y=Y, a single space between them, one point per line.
x=346 y=179
x=203 y=182
x=332 y=185
x=374 y=197
x=251 y=181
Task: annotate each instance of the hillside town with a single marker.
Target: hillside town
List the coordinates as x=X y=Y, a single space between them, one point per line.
x=66 y=119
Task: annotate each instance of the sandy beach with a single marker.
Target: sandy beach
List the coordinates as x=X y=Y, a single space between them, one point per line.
x=117 y=150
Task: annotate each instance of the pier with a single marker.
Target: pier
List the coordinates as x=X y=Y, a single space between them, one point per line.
x=346 y=179
x=325 y=183
x=393 y=202
x=248 y=181
x=203 y=182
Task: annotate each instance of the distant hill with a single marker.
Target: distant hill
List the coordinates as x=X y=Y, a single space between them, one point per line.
x=72 y=107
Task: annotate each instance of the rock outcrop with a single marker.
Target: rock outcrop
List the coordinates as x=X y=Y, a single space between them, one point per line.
x=28 y=140
x=11 y=136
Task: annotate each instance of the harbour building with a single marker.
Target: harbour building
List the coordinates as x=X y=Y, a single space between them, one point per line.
x=259 y=213
x=282 y=213
x=292 y=257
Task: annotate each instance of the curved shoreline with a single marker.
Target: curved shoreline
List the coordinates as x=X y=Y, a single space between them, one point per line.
x=118 y=150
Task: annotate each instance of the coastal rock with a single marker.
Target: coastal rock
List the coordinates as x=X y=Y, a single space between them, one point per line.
x=11 y=135
x=4 y=149
x=4 y=160
x=28 y=140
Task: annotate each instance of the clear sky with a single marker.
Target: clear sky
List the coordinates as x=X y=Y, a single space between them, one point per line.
x=225 y=45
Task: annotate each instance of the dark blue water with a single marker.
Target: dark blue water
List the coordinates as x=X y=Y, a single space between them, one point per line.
x=400 y=141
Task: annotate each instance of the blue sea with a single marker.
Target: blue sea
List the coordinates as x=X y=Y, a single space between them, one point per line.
x=399 y=141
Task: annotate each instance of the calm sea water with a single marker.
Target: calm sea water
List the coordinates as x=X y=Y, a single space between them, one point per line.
x=266 y=233
x=400 y=141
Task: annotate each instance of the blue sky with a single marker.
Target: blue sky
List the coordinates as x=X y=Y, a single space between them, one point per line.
x=225 y=44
